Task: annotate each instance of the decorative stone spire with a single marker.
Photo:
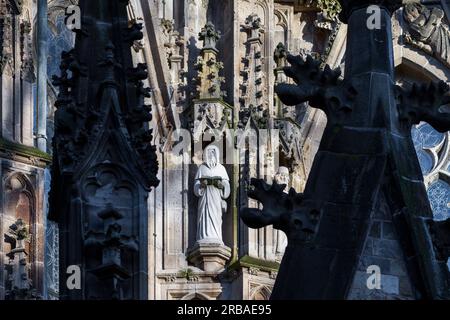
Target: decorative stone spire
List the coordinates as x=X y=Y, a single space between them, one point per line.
x=102 y=152
x=252 y=103
x=209 y=81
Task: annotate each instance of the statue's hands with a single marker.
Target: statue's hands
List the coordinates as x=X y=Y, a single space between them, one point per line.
x=204 y=183
x=219 y=185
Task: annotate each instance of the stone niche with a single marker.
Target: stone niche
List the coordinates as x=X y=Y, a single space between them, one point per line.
x=20 y=203
x=111 y=235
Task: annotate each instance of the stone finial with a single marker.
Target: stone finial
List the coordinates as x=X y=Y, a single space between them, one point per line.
x=209 y=35
x=253 y=25
x=348 y=6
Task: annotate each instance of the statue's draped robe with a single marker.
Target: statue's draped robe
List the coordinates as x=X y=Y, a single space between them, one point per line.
x=433 y=32
x=210 y=203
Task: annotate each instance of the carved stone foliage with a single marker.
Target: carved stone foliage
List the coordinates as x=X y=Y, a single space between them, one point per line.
x=330 y=8
x=6 y=35
x=428 y=30
x=8 y=32
x=425 y=103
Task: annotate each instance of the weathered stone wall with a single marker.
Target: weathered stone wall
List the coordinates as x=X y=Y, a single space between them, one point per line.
x=382 y=249
x=171 y=46
x=21 y=164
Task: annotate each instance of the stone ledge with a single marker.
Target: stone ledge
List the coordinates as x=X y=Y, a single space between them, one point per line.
x=9 y=147
x=251 y=262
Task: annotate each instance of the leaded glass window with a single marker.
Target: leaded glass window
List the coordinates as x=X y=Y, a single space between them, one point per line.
x=432 y=149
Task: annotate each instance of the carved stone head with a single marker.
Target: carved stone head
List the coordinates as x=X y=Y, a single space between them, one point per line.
x=413 y=11
x=282 y=176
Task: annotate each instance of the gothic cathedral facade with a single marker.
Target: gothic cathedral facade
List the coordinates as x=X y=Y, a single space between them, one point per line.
x=212 y=68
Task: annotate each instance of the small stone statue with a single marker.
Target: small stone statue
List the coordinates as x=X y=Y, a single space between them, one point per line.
x=428 y=31
x=19 y=285
x=281 y=178
x=212 y=186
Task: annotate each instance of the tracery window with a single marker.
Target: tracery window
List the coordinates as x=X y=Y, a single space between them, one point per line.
x=61 y=39
x=432 y=149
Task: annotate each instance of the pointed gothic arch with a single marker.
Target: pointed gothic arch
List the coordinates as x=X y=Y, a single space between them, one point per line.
x=196 y=296
x=20 y=203
x=261 y=292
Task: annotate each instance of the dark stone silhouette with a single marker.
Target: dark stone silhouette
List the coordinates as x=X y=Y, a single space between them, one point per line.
x=366 y=152
x=103 y=163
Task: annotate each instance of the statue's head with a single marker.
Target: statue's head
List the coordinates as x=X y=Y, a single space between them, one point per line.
x=412 y=11
x=282 y=176
x=211 y=156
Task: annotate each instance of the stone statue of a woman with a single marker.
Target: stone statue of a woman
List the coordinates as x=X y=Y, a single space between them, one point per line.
x=212 y=186
x=428 y=31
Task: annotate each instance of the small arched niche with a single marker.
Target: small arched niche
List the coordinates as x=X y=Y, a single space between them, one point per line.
x=19 y=204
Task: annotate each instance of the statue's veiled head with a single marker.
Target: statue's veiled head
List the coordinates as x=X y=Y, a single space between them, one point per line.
x=211 y=156
x=413 y=11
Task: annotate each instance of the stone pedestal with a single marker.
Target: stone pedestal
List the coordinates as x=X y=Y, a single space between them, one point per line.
x=210 y=257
